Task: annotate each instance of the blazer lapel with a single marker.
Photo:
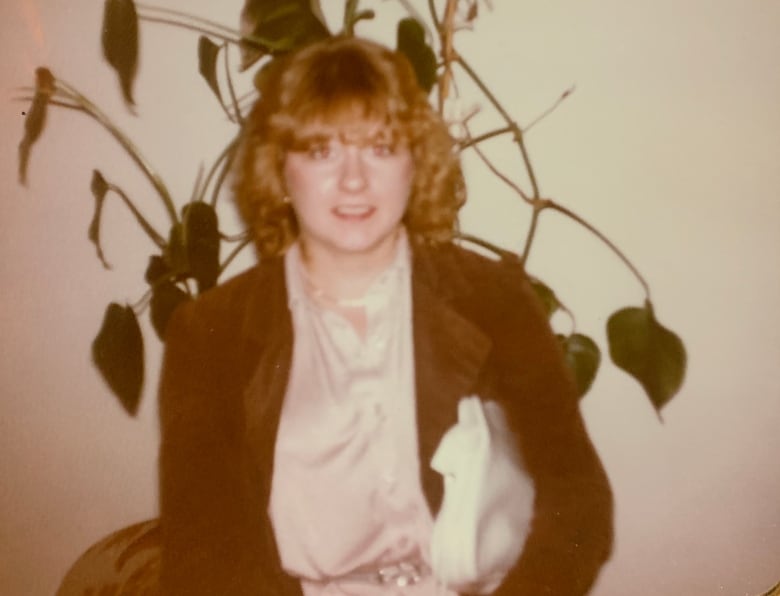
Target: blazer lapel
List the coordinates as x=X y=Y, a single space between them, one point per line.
x=267 y=329
x=449 y=354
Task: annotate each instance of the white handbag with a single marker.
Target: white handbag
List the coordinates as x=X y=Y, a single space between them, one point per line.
x=488 y=503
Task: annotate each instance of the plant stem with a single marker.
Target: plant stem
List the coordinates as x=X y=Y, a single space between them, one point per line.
x=434 y=15
x=126 y=144
x=180 y=14
x=570 y=214
x=446 y=33
x=482 y=87
x=215 y=166
x=227 y=156
x=529 y=237
x=350 y=12
x=231 y=90
x=485 y=136
x=142 y=221
x=507 y=118
x=234 y=253
x=549 y=110
x=503 y=253
x=502 y=176
x=228 y=37
x=224 y=33
x=235 y=237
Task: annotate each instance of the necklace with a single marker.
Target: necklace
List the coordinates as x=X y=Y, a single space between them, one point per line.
x=319 y=294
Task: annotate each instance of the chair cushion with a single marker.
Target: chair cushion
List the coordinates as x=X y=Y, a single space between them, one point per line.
x=124 y=563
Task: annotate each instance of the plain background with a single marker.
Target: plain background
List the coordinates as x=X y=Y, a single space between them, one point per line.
x=668 y=145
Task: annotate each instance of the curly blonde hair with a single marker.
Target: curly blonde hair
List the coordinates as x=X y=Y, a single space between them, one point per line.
x=332 y=85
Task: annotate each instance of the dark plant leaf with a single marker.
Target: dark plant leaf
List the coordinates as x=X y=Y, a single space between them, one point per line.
x=208 y=52
x=120 y=42
x=648 y=351
x=583 y=357
x=99 y=189
x=166 y=296
x=261 y=73
x=201 y=235
x=547 y=297
x=156 y=270
x=118 y=353
x=282 y=25
x=35 y=119
x=175 y=253
x=410 y=40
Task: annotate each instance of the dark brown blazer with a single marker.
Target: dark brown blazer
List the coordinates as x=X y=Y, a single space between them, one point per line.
x=478 y=329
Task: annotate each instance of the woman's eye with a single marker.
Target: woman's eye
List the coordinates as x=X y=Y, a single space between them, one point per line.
x=383 y=149
x=319 y=151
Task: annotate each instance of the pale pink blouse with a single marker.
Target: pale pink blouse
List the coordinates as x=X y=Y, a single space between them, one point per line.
x=346 y=498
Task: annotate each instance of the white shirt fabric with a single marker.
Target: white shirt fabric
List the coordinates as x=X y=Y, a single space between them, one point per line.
x=346 y=496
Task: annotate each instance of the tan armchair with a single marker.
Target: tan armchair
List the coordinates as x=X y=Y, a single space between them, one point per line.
x=124 y=563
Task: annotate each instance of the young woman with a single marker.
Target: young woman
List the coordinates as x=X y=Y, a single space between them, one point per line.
x=301 y=402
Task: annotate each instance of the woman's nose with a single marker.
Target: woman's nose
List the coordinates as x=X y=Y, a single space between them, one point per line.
x=353 y=172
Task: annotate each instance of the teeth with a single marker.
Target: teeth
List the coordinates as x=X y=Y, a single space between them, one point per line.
x=352 y=209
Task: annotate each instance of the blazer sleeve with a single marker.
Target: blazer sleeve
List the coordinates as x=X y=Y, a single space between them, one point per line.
x=205 y=529
x=571 y=534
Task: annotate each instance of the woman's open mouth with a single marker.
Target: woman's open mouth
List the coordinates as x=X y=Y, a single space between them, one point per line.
x=353 y=212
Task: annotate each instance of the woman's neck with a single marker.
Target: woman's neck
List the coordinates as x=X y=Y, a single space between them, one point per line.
x=344 y=277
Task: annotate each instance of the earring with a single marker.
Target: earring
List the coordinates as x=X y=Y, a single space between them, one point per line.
x=286 y=200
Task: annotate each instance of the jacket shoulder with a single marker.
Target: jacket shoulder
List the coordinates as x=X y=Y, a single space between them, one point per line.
x=501 y=279
x=228 y=301
x=508 y=264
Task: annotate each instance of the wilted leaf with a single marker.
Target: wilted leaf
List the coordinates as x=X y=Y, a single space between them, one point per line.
x=166 y=297
x=201 y=243
x=648 y=351
x=547 y=297
x=118 y=353
x=583 y=357
x=99 y=189
x=120 y=42
x=208 y=52
x=278 y=26
x=35 y=118
x=156 y=270
x=410 y=40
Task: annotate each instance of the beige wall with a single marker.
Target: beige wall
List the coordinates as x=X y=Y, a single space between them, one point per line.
x=668 y=145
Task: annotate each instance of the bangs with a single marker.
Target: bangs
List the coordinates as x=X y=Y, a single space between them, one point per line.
x=349 y=94
x=357 y=130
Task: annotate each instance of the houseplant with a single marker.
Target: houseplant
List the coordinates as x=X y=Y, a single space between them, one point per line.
x=192 y=250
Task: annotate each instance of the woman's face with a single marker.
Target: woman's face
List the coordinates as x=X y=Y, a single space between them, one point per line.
x=349 y=197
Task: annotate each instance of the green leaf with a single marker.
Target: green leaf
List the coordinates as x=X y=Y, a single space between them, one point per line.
x=118 y=353
x=166 y=297
x=546 y=296
x=583 y=357
x=201 y=237
x=648 y=351
x=35 y=118
x=208 y=53
x=274 y=26
x=120 y=42
x=99 y=189
x=410 y=40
